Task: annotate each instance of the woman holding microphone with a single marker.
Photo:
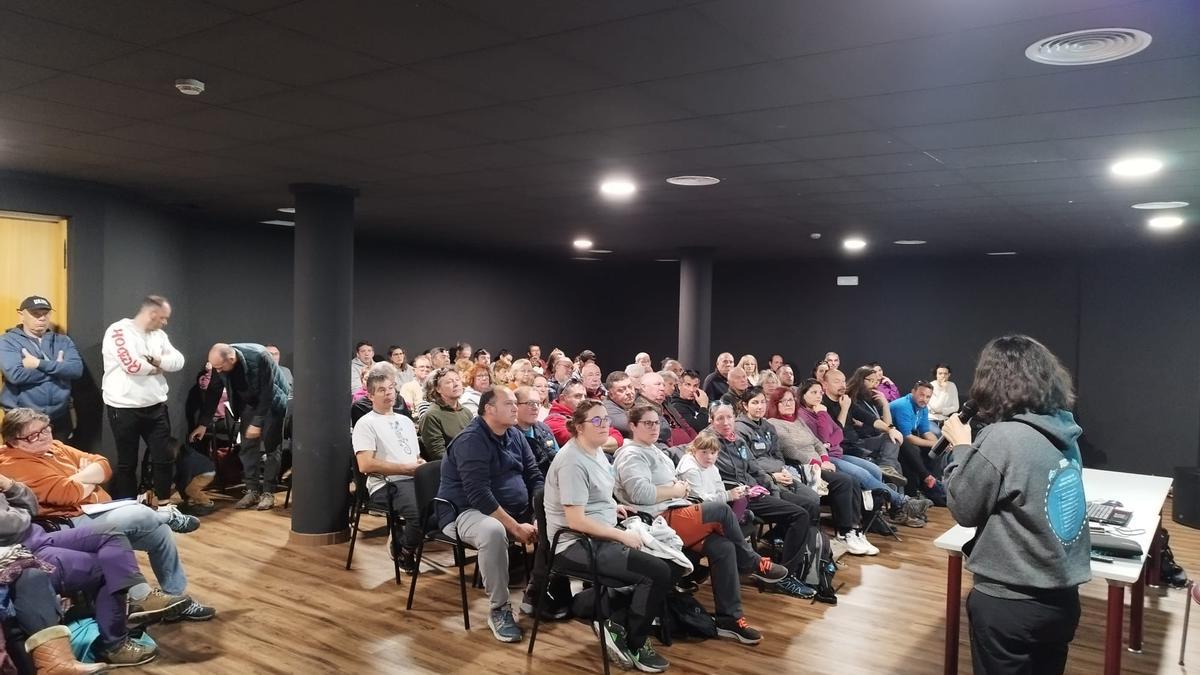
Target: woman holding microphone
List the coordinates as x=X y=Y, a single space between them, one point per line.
x=1019 y=481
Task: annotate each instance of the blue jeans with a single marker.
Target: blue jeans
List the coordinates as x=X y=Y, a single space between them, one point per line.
x=868 y=475
x=147 y=531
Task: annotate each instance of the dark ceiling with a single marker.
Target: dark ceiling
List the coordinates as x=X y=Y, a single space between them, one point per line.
x=493 y=121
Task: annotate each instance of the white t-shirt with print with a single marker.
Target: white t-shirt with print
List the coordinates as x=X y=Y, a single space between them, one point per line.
x=392 y=437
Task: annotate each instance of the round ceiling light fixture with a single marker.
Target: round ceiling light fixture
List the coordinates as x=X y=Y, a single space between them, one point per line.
x=1135 y=167
x=189 y=87
x=1160 y=205
x=618 y=187
x=854 y=244
x=582 y=243
x=1086 y=47
x=909 y=242
x=1165 y=223
x=286 y=209
x=693 y=181
x=1003 y=253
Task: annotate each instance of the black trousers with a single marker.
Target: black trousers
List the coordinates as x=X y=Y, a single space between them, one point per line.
x=1022 y=637
x=912 y=459
x=620 y=566
x=130 y=426
x=62 y=427
x=844 y=499
x=788 y=519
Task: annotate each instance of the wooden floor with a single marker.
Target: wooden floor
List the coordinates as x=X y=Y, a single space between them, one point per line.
x=297 y=610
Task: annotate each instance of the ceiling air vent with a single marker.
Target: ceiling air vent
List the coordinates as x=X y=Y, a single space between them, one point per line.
x=1085 y=47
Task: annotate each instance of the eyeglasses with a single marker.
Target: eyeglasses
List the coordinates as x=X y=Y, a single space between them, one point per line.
x=35 y=436
x=787 y=401
x=530 y=403
x=649 y=424
x=599 y=421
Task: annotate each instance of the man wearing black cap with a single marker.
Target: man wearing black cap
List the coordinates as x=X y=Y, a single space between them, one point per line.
x=39 y=366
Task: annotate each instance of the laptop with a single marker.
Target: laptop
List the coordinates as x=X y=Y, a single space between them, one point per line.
x=1108 y=513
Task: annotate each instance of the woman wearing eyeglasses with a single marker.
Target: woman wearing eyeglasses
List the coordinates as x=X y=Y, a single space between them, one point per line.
x=446 y=417
x=645 y=481
x=479 y=380
x=579 y=496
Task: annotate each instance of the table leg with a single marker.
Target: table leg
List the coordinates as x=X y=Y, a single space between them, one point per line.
x=1137 y=597
x=1112 y=630
x=953 y=612
x=1154 y=563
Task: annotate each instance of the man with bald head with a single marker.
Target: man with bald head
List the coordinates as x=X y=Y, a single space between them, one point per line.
x=715 y=385
x=258 y=391
x=654 y=394
x=738 y=382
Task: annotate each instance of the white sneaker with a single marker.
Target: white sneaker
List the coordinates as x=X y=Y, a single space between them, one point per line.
x=853 y=545
x=862 y=538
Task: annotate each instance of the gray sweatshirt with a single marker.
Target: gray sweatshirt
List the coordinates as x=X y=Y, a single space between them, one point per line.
x=639 y=472
x=1026 y=497
x=18 y=506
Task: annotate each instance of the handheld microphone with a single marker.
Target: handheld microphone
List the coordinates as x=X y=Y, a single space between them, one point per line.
x=965 y=413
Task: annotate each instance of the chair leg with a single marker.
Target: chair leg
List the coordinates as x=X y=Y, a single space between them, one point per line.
x=461 y=562
x=597 y=590
x=394 y=537
x=412 y=588
x=537 y=615
x=355 y=518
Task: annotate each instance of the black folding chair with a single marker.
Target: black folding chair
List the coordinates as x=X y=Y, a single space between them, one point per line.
x=360 y=502
x=593 y=577
x=425 y=482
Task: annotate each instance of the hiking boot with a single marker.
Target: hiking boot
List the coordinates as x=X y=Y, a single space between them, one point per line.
x=549 y=610
x=198 y=509
x=179 y=521
x=249 y=499
x=914 y=510
x=193 y=611
x=891 y=475
x=826 y=596
x=155 y=606
x=266 y=501
x=408 y=560
x=50 y=649
x=614 y=641
x=647 y=660
x=738 y=629
x=769 y=572
x=503 y=625
x=129 y=653
x=792 y=586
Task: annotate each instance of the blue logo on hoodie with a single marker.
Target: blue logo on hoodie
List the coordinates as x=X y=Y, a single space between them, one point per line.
x=1066 y=505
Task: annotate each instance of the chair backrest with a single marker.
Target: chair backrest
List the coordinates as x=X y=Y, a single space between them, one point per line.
x=539 y=516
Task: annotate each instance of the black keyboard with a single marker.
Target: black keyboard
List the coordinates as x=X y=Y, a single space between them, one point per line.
x=1108 y=514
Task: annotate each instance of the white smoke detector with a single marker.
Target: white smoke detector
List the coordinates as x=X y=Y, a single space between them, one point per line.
x=1085 y=47
x=190 y=87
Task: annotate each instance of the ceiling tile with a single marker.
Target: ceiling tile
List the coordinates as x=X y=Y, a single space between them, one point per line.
x=416 y=136
x=156 y=71
x=515 y=72
x=402 y=91
x=843 y=145
x=398 y=32
x=144 y=22
x=313 y=109
x=235 y=124
x=912 y=179
x=996 y=155
x=506 y=123
x=531 y=18
x=51 y=113
x=753 y=87
x=689 y=133
x=609 y=107
x=85 y=92
x=907 y=161
x=960 y=191
x=15 y=74
x=812 y=119
x=43 y=43
x=1041 y=170
x=172 y=137
x=257 y=48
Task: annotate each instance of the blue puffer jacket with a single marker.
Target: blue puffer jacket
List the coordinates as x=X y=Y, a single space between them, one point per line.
x=46 y=388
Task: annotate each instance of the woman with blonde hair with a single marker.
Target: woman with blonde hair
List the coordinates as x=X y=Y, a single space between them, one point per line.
x=750 y=365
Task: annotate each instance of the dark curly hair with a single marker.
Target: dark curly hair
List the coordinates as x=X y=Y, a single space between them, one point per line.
x=1018 y=374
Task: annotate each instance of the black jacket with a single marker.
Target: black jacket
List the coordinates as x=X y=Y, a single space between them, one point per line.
x=690 y=412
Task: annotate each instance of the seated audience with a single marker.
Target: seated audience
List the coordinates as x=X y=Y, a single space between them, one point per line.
x=560 y=414
x=654 y=395
x=886 y=387
x=539 y=436
x=738 y=382
x=541 y=388
x=479 y=380
x=439 y=358
x=534 y=354
x=481 y=357
x=579 y=496
x=691 y=404
x=833 y=360
x=769 y=381
x=645 y=481
x=635 y=373
x=446 y=417
x=863 y=434
x=462 y=350
x=361 y=392
x=414 y=392
x=749 y=365
x=501 y=373
x=872 y=412
x=826 y=445
x=716 y=384
x=910 y=415
x=97 y=563
x=286 y=372
x=790 y=521
x=775 y=362
x=643 y=360
x=504 y=357
x=364 y=357
x=819 y=370
x=589 y=375
x=522 y=374
x=844 y=496
x=363 y=406
x=674 y=366
x=560 y=374
x=64 y=479
x=620 y=399
x=386 y=450
x=670 y=382
x=404 y=372
x=787 y=376
x=489 y=473
x=944 y=401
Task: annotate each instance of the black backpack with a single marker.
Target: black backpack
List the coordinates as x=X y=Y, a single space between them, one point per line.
x=686 y=617
x=817 y=567
x=1170 y=573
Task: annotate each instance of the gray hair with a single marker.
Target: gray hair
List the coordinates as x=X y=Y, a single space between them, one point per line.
x=16 y=419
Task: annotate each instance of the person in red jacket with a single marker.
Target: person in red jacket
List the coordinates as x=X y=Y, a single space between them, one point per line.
x=569 y=397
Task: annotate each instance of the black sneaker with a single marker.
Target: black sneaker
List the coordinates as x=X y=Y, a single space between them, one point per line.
x=647 y=660
x=792 y=586
x=614 y=640
x=737 y=629
x=194 y=611
x=549 y=610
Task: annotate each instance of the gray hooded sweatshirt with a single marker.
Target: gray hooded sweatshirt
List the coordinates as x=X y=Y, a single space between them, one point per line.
x=1026 y=497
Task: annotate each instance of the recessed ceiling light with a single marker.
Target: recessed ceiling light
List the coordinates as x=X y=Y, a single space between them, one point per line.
x=1084 y=47
x=584 y=258
x=693 y=181
x=286 y=209
x=1003 y=253
x=854 y=244
x=599 y=250
x=1136 y=166
x=909 y=242
x=582 y=243
x=1160 y=205
x=666 y=260
x=618 y=187
x=286 y=223
x=814 y=236
x=1164 y=222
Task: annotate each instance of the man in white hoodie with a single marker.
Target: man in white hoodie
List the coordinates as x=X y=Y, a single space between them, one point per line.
x=136 y=354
